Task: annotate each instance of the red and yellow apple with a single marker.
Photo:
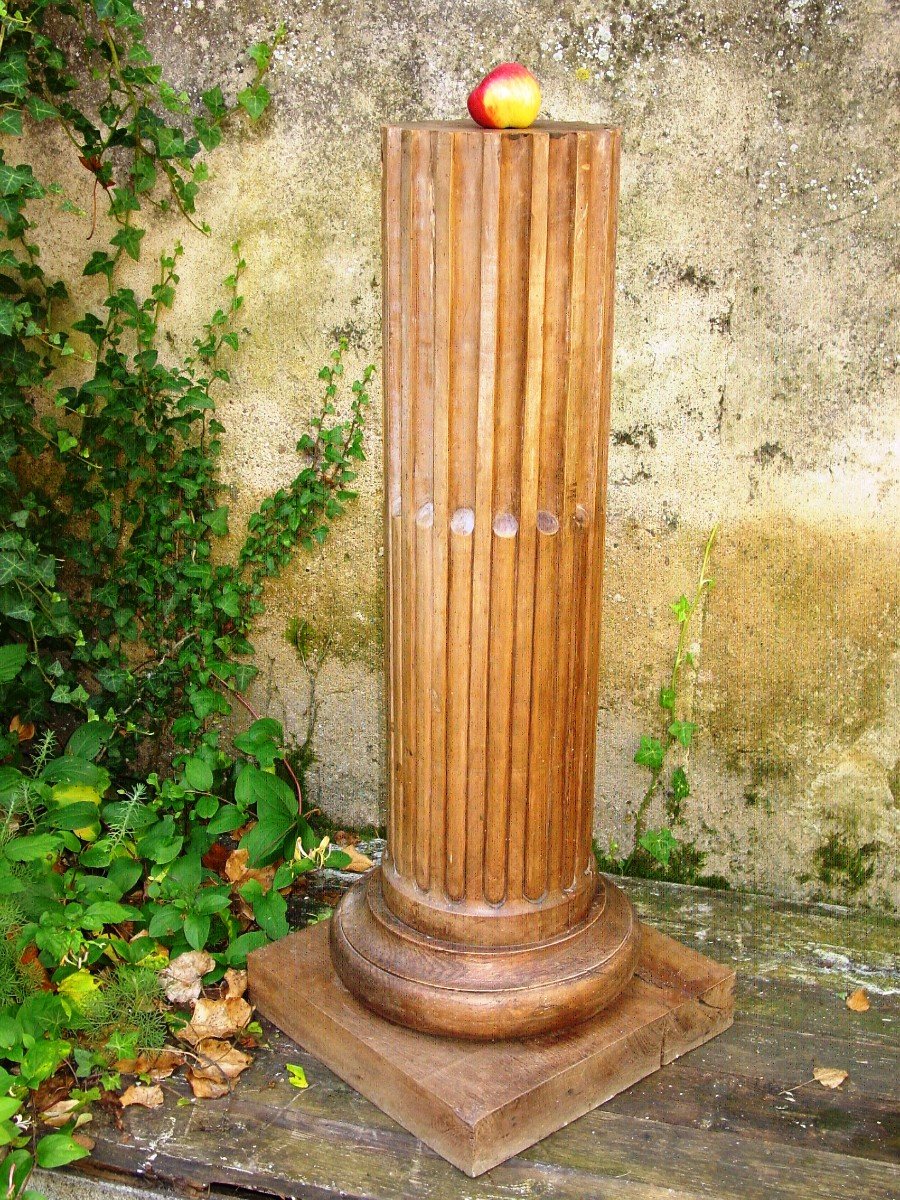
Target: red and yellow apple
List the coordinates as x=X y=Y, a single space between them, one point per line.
x=507 y=98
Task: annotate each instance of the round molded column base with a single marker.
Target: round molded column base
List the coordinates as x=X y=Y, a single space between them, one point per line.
x=456 y=990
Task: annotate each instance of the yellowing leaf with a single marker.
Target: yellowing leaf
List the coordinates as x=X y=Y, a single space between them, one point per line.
x=80 y=989
x=79 y=793
x=830 y=1077
x=858 y=1001
x=296 y=1076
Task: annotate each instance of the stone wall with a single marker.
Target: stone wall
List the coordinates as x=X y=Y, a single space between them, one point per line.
x=754 y=382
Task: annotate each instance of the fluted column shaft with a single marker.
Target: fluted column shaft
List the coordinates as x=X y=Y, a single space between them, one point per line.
x=498 y=301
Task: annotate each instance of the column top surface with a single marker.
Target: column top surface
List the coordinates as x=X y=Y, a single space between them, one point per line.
x=466 y=126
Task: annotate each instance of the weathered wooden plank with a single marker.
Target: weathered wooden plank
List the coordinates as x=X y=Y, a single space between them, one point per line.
x=269 y=1141
x=712 y=1124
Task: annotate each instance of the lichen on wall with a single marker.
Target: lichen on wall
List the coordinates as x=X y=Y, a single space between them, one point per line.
x=755 y=381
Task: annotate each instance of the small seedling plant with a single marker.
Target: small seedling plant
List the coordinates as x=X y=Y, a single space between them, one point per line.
x=658 y=852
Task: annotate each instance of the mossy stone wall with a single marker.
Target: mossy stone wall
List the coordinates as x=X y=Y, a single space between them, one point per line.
x=755 y=381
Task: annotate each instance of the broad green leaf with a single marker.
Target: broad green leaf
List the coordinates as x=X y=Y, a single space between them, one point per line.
x=196 y=930
x=32 y=847
x=57 y=1149
x=198 y=774
x=12 y=660
x=88 y=740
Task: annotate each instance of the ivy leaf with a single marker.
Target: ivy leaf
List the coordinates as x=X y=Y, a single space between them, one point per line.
x=129 y=238
x=205 y=701
x=255 y=100
x=40 y=109
x=681 y=789
x=650 y=753
x=215 y=103
x=296 y=1076
x=217 y=520
x=682 y=731
x=659 y=844
x=667 y=698
x=99 y=264
x=11 y=122
x=681 y=608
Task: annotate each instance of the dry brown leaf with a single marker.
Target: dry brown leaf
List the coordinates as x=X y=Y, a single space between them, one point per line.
x=158 y=1064
x=235 y=983
x=83 y=1139
x=24 y=729
x=147 y=1097
x=858 y=1001
x=237 y=871
x=220 y=1060
x=181 y=979
x=207 y=1089
x=358 y=862
x=830 y=1077
x=59 y=1113
x=216 y=1019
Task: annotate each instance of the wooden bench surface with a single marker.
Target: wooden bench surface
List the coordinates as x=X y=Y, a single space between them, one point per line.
x=721 y=1122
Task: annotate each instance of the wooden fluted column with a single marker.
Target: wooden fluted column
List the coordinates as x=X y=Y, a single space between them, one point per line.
x=487 y=918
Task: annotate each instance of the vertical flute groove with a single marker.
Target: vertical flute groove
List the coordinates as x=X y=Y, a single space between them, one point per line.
x=422 y=514
x=465 y=283
x=508 y=391
x=391 y=450
x=481 y=566
x=406 y=824
x=442 y=170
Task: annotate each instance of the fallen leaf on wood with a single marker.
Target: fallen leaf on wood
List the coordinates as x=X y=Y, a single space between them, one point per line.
x=146 y=1097
x=219 y=1060
x=858 y=1001
x=296 y=1076
x=83 y=1139
x=59 y=1113
x=158 y=1064
x=181 y=979
x=358 y=862
x=830 y=1077
x=216 y=1019
x=235 y=983
x=207 y=1089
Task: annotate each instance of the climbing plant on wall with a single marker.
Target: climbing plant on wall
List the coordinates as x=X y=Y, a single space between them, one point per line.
x=121 y=619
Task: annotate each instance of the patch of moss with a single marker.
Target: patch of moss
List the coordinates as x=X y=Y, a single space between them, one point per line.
x=841 y=864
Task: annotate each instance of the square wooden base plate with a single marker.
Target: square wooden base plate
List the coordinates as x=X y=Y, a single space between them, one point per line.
x=477 y=1104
